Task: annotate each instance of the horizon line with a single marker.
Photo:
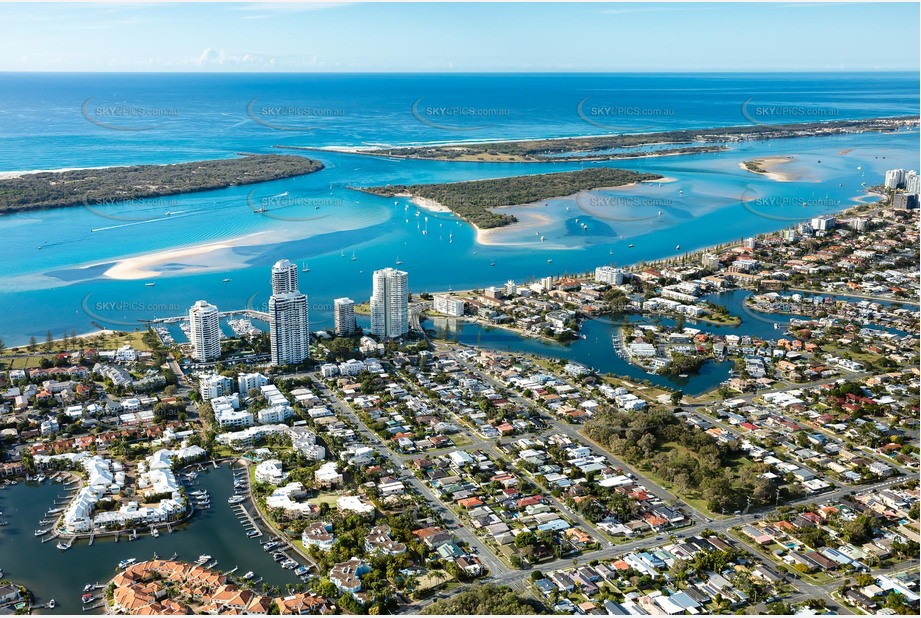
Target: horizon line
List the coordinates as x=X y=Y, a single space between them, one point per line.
x=448 y=72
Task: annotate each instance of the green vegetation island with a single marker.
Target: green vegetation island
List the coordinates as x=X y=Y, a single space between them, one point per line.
x=472 y=199
x=485 y=600
x=594 y=148
x=479 y=153
x=33 y=191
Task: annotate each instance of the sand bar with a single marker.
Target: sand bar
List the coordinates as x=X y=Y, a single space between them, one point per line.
x=209 y=256
x=770 y=165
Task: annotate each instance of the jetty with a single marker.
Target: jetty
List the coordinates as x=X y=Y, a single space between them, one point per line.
x=246 y=519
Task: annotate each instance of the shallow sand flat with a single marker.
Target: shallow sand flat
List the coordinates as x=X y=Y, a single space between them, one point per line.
x=770 y=164
x=217 y=255
x=511 y=235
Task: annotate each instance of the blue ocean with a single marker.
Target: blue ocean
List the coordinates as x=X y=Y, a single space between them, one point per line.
x=71 y=268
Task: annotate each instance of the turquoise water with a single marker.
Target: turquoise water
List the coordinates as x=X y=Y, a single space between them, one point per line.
x=596 y=350
x=55 y=277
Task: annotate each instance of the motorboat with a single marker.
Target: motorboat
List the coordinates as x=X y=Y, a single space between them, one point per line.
x=127 y=562
x=203 y=559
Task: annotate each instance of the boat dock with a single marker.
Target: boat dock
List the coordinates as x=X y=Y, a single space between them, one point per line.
x=252 y=314
x=244 y=517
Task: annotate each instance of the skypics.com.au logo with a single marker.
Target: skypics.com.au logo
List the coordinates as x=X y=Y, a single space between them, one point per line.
x=285 y=207
x=441 y=116
x=115 y=311
x=767 y=114
x=280 y=117
x=620 y=117
x=135 y=210
x=624 y=208
x=127 y=116
x=789 y=209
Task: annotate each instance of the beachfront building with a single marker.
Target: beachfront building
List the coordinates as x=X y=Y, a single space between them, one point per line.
x=390 y=303
x=894 y=179
x=448 y=305
x=284 y=277
x=344 y=316
x=205 y=331
x=609 y=275
x=289 y=329
x=912 y=182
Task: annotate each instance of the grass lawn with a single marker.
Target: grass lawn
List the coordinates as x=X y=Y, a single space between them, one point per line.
x=459 y=439
x=433 y=579
x=861 y=357
x=109 y=341
x=324 y=498
x=30 y=362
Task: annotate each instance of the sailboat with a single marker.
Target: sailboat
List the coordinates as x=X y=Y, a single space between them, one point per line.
x=342 y=253
x=305 y=268
x=399 y=261
x=353 y=256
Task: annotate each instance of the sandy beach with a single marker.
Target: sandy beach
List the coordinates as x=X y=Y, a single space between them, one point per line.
x=425 y=203
x=210 y=256
x=770 y=165
x=9 y=175
x=527 y=222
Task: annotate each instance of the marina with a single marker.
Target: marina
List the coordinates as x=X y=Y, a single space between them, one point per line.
x=63 y=575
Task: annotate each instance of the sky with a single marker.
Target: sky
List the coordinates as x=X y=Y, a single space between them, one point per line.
x=455 y=37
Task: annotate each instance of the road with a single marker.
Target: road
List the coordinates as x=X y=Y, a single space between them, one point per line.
x=572 y=432
x=499 y=571
x=788 y=386
x=805 y=589
x=485 y=555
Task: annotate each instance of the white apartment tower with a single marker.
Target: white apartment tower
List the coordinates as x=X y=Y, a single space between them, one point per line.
x=284 y=277
x=894 y=179
x=390 y=303
x=289 y=326
x=289 y=329
x=912 y=182
x=609 y=275
x=205 y=331
x=448 y=305
x=344 y=316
